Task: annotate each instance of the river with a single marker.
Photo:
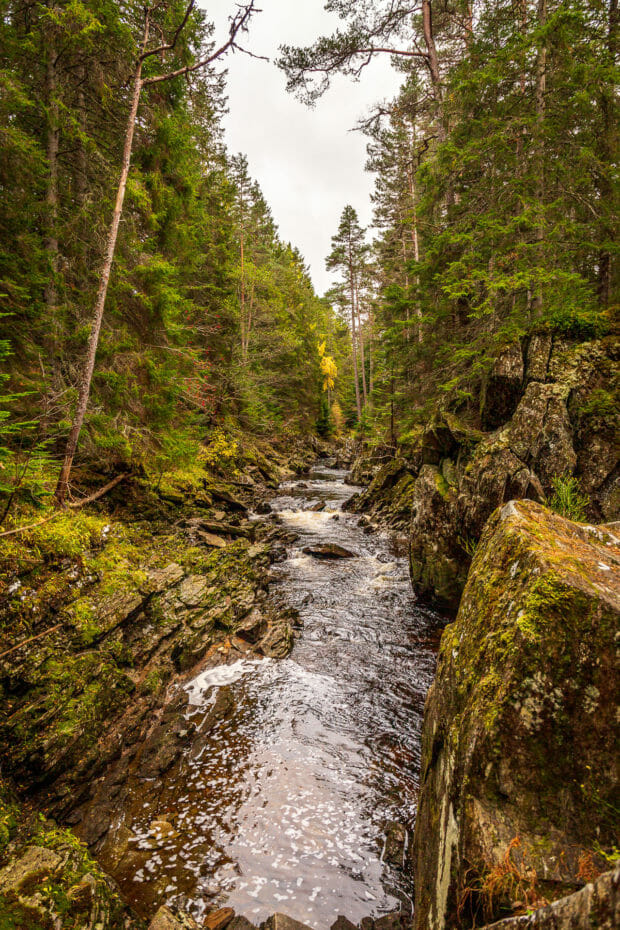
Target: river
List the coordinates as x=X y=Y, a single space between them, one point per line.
x=285 y=804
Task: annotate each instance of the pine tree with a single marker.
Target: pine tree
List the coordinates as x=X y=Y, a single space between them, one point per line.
x=348 y=256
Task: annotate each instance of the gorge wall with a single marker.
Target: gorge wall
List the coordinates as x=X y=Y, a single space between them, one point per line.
x=549 y=409
x=519 y=797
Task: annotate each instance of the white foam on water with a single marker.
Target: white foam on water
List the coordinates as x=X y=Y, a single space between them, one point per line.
x=217 y=677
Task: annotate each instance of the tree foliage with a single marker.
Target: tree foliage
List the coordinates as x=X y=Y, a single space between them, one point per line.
x=496 y=183
x=176 y=356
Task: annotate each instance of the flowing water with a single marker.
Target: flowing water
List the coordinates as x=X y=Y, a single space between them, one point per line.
x=285 y=803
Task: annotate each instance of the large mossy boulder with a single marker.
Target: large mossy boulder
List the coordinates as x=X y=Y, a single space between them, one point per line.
x=519 y=794
x=389 y=496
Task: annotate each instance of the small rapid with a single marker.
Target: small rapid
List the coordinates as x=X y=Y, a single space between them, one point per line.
x=285 y=802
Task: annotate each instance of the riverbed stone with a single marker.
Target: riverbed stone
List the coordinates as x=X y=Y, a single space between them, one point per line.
x=521 y=724
x=219 y=920
x=329 y=551
x=282 y=922
x=396 y=839
x=240 y=923
x=343 y=923
x=165 y=919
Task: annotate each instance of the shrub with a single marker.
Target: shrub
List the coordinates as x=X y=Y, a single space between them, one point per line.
x=568 y=499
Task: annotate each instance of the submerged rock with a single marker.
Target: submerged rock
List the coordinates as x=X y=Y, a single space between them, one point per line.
x=329 y=551
x=520 y=727
x=396 y=840
x=343 y=923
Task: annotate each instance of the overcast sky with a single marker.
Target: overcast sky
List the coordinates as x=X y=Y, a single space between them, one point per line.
x=307 y=161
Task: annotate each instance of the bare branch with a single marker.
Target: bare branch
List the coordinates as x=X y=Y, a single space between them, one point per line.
x=238 y=24
x=170 y=45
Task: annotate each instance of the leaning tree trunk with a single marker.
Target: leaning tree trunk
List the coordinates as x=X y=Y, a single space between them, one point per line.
x=51 y=199
x=541 y=87
x=238 y=24
x=87 y=374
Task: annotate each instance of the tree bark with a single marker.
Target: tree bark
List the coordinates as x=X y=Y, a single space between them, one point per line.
x=608 y=146
x=361 y=342
x=51 y=197
x=353 y=336
x=87 y=375
x=81 y=186
x=414 y=234
x=541 y=87
x=244 y=350
x=433 y=66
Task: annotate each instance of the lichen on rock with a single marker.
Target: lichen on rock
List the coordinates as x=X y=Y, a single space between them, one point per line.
x=518 y=786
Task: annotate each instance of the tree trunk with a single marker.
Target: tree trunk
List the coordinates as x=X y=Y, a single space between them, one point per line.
x=371 y=349
x=361 y=342
x=81 y=186
x=87 y=374
x=354 y=340
x=415 y=239
x=433 y=66
x=608 y=146
x=51 y=199
x=541 y=86
x=244 y=348
x=469 y=25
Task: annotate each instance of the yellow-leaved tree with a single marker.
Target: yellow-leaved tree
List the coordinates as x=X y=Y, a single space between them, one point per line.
x=329 y=369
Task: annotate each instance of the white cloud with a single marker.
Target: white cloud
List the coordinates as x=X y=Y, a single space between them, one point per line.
x=308 y=162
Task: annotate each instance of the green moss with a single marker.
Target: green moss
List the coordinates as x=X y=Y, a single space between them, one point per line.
x=601 y=404
x=442 y=485
x=67 y=897
x=8 y=816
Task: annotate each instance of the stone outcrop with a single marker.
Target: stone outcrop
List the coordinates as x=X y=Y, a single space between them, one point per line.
x=549 y=410
x=390 y=495
x=103 y=611
x=519 y=782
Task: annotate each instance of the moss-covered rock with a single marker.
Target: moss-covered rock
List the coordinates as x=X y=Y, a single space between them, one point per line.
x=562 y=422
x=519 y=799
x=48 y=880
x=390 y=494
x=99 y=612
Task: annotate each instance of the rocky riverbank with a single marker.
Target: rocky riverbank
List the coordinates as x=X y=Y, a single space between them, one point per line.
x=105 y=613
x=519 y=800
x=549 y=411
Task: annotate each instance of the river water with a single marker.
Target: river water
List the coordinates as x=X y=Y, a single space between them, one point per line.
x=284 y=805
